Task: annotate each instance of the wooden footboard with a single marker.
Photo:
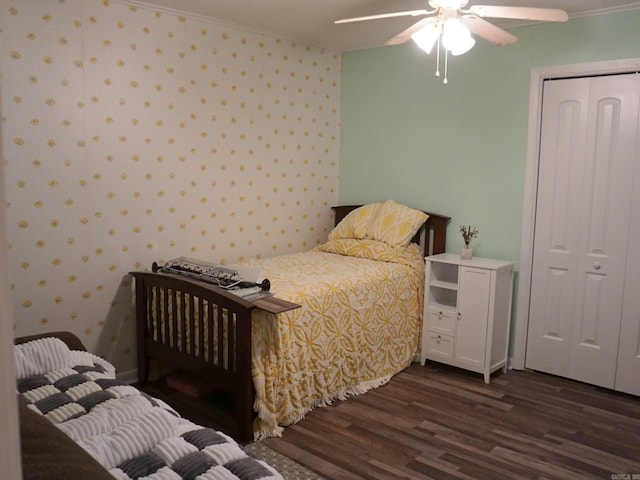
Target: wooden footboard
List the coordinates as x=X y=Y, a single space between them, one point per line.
x=201 y=329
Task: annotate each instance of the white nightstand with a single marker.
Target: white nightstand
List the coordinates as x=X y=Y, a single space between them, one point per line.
x=467 y=312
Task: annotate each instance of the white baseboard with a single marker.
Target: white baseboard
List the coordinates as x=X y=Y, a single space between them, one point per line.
x=129 y=377
x=511 y=366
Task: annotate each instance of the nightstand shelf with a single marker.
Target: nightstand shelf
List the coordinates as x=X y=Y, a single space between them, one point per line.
x=467 y=312
x=445 y=285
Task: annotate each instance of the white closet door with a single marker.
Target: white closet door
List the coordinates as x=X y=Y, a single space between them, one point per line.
x=557 y=234
x=588 y=140
x=628 y=370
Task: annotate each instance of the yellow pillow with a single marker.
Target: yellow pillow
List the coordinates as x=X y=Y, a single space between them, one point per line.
x=361 y=248
x=356 y=223
x=396 y=224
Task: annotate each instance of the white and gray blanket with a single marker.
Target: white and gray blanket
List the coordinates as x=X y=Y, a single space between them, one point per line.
x=133 y=435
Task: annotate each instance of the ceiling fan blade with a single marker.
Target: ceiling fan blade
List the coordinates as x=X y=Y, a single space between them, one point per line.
x=487 y=30
x=410 y=13
x=405 y=35
x=521 y=13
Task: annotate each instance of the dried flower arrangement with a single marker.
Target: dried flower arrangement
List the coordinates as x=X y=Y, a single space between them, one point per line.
x=468 y=233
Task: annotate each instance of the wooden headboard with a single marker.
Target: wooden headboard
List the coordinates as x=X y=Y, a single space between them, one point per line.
x=433 y=234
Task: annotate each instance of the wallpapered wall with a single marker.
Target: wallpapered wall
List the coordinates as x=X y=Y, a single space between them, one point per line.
x=132 y=135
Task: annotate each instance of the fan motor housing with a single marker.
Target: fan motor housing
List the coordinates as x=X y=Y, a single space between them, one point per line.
x=455 y=4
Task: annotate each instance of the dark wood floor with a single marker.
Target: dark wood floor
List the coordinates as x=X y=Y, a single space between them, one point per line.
x=436 y=422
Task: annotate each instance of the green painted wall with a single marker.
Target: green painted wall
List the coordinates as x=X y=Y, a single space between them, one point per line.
x=460 y=149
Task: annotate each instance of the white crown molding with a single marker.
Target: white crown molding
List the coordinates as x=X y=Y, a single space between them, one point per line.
x=202 y=18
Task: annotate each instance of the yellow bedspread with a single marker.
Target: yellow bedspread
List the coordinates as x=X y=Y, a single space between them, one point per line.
x=358 y=326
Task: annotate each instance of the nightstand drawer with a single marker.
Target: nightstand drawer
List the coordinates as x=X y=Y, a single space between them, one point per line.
x=441 y=321
x=439 y=346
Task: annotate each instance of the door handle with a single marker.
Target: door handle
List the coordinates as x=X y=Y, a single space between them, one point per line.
x=596 y=265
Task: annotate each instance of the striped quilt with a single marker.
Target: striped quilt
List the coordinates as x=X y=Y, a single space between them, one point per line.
x=131 y=434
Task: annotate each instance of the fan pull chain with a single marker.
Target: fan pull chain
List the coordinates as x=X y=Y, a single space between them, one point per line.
x=446 y=66
x=438 y=58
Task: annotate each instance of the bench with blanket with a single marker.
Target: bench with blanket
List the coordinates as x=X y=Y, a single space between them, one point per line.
x=78 y=422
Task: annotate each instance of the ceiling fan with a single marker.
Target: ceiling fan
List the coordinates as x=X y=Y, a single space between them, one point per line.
x=450 y=25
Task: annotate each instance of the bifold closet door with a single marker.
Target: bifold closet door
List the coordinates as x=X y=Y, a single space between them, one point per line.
x=588 y=150
x=628 y=369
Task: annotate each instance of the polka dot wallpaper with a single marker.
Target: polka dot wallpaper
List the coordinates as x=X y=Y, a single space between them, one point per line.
x=131 y=135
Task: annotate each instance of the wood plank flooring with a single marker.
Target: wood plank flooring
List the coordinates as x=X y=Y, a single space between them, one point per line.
x=443 y=423
x=438 y=422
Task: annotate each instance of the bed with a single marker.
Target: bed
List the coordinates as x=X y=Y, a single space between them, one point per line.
x=78 y=422
x=361 y=297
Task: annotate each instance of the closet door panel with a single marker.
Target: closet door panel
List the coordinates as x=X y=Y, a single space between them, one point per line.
x=557 y=233
x=628 y=371
x=606 y=209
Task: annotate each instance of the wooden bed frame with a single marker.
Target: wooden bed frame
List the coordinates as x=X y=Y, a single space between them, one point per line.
x=173 y=309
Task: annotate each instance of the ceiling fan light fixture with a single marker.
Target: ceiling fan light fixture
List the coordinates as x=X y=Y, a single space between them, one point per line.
x=463 y=46
x=426 y=37
x=448 y=26
x=456 y=37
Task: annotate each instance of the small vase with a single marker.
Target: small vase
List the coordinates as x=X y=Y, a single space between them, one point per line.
x=466 y=253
